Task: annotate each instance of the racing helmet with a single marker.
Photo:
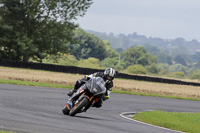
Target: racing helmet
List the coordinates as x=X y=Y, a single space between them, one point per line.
x=109 y=74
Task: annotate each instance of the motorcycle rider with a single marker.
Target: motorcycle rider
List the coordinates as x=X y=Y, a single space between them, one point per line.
x=108 y=76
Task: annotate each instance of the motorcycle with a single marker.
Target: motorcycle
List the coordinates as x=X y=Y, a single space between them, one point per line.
x=85 y=97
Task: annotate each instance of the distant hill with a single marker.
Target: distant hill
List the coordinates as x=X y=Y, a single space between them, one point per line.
x=179 y=45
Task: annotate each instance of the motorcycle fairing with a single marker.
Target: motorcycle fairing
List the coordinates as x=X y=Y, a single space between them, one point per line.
x=78 y=92
x=96 y=85
x=69 y=104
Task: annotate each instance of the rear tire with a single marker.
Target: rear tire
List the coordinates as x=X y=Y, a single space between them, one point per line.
x=77 y=108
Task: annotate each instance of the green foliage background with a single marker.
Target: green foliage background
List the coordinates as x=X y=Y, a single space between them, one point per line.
x=37 y=28
x=45 y=32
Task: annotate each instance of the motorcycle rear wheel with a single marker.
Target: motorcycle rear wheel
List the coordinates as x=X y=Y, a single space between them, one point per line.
x=78 y=106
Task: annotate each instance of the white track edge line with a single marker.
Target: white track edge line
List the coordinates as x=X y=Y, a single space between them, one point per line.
x=123 y=115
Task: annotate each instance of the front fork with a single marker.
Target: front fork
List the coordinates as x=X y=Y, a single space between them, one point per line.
x=92 y=101
x=70 y=104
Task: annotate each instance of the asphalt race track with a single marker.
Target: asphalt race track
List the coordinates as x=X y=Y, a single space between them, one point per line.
x=31 y=109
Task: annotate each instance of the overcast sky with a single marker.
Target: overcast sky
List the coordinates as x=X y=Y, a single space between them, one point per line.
x=167 y=19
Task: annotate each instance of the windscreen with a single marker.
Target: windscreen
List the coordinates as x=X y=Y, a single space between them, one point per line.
x=100 y=82
x=96 y=85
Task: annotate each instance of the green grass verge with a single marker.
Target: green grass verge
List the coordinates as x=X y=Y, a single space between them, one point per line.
x=29 y=83
x=1 y=131
x=186 y=122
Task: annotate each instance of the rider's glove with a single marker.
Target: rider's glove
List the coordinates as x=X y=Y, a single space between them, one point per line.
x=105 y=98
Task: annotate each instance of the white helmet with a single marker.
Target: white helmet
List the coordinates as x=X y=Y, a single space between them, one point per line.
x=109 y=74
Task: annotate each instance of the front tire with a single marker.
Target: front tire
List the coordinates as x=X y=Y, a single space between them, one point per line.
x=65 y=110
x=78 y=106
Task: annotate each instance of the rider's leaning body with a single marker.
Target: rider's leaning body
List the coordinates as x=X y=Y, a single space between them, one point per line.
x=108 y=76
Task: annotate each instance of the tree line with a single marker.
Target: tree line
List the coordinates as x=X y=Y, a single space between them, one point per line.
x=89 y=49
x=45 y=31
x=175 y=57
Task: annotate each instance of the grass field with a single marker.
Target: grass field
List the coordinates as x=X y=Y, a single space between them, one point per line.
x=1 y=131
x=128 y=86
x=186 y=122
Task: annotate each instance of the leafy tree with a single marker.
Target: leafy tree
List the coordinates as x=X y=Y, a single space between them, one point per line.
x=179 y=60
x=131 y=55
x=110 y=52
x=119 y=50
x=163 y=67
x=109 y=62
x=34 y=28
x=137 y=69
x=196 y=56
x=197 y=65
x=164 y=58
x=146 y=59
x=124 y=41
x=180 y=50
x=195 y=74
x=151 y=49
x=153 y=68
x=137 y=55
x=87 y=45
x=178 y=67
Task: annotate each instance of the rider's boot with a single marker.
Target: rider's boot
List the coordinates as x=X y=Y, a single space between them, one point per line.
x=71 y=92
x=76 y=86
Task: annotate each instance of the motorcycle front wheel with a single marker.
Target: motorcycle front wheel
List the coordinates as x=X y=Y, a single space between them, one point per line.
x=65 y=110
x=78 y=106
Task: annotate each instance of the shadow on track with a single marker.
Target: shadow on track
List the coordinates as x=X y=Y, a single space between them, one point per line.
x=90 y=118
x=86 y=117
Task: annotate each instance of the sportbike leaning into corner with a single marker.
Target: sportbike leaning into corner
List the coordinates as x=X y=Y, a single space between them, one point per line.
x=90 y=91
